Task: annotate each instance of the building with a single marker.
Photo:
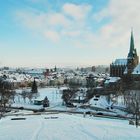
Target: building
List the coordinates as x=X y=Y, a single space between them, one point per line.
x=118 y=67
x=124 y=67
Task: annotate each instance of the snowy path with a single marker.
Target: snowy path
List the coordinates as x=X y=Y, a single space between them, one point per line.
x=38 y=130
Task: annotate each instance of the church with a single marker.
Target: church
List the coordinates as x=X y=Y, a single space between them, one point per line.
x=128 y=67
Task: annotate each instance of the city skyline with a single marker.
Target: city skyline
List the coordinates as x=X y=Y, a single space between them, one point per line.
x=45 y=33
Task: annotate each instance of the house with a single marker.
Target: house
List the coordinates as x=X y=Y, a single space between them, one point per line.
x=42 y=101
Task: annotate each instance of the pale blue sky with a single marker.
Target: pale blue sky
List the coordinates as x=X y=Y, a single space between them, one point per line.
x=44 y=33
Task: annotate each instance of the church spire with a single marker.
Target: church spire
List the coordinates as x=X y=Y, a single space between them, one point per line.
x=132 y=49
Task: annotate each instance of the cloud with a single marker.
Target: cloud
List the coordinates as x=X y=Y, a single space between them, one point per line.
x=58 y=19
x=113 y=37
x=30 y=19
x=124 y=15
x=78 y=12
x=52 y=35
x=75 y=24
x=56 y=24
x=72 y=33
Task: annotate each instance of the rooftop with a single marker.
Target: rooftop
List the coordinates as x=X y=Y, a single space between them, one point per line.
x=120 y=62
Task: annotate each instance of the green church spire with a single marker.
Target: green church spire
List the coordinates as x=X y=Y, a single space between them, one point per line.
x=132 y=49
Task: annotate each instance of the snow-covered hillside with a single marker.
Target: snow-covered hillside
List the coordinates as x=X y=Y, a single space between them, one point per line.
x=66 y=127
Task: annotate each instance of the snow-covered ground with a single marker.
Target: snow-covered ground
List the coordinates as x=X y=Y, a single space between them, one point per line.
x=54 y=95
x=55 y=98
x=66 y=127
x=100 y=102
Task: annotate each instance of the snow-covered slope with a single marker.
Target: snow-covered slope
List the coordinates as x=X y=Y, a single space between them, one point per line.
x=100 y=102
x=66 y=127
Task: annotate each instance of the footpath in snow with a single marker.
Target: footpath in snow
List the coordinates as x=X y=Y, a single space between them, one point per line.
x=66 y=127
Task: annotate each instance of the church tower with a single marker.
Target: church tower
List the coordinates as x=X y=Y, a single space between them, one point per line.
x=124 y=67
x=132 y=58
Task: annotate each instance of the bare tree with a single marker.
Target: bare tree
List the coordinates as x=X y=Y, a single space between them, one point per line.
x=6 y=95
x=24 y=94
x=132 y=102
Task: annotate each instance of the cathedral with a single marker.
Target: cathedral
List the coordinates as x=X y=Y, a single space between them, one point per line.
x=124 y=68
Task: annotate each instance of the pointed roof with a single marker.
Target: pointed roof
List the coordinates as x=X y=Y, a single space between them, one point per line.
x=132 y=47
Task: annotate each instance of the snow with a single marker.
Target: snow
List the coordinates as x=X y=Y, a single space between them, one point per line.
x=54 y=96
x=120 y=62
x=125 y=71
x=100 y=102
x=112 y=80
x=136 y=70
x=55 y=100
x=66 y=127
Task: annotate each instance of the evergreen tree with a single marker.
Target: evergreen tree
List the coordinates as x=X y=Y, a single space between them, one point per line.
x=34 y=87
x=55 y=69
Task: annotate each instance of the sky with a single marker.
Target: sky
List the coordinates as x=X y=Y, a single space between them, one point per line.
x=45 y=33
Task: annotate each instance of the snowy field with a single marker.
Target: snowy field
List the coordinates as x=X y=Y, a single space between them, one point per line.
x=66 y=127
x=54 y=95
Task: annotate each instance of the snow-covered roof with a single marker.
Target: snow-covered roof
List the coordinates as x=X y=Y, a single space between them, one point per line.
x=136 y=69
x=120 y=62
x=112 y=80
x=35 y=71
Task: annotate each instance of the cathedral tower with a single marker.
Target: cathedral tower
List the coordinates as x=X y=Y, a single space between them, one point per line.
x=132 y=58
